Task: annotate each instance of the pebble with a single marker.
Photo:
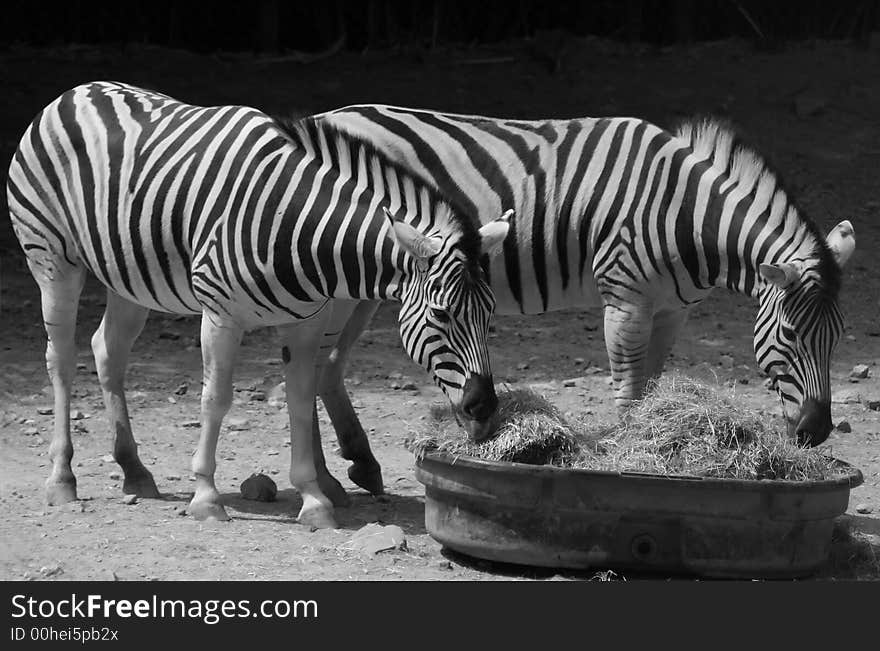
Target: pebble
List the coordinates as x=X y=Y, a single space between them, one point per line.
x=81 y=366
x=169 y=334
x=873 y=405
x=373 y=538
x=238 y=424
x=181 y=511
x=115 y=475
x=259 y=488
x=181 y=389
x=522 y=367
x=78 y=415
x=108 y=458
x=726 y=361
x=51 y=570
x=258 y=396
x=30 y=431
x=272 y=453
x=860 y=371
x=130 y=499
x=45 y=411
x=172 y=477
x=578 y=361
x=409 y=386
x=191 y=424
x=844 y=426
x=863 y=508
x=569 y=383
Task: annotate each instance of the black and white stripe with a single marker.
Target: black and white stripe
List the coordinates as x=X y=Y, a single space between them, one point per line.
x=620 y=213
x=249 y=221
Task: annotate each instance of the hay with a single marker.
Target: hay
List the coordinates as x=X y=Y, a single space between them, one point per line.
x=530 y=430
x=681 y=427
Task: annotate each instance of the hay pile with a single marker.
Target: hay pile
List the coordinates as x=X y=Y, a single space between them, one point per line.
x=531 y=430
x=681 y=427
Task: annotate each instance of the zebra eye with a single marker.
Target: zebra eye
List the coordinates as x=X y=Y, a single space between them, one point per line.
x=439 y=313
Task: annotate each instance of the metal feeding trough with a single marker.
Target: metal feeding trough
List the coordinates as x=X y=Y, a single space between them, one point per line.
x=578 y=519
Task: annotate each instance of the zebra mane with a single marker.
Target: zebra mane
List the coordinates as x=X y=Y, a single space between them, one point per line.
x=305 y=132
x=730 y=152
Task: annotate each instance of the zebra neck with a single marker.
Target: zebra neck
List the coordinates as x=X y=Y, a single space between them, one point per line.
x=739 y=233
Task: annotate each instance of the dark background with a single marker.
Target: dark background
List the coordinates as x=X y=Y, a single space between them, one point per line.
x=313 y=26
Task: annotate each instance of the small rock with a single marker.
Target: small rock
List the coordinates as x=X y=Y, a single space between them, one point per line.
x=395 y=385
x=259 y=488
x=192 y=424
x=237 y=424
x=115 y=474
x=51 y=570
x=258 y=396
x=873 y=405
x=181 y=511
x=844 y=426
x=594 y=370
x=109 y=521
x=863 y=508
x=726 y=361
x=522 y=366
x=108 y=458
x=130 y=499
x=172 y=477
x=569 y=383
x=578 y=361
x=181 y=389
x=30 y=431
x=77 y=415
x=45 y=411
x=81 y=366
x=272 y=453
x=169 y=334
x=373 y=538
x=409 y=386
x=859 y=371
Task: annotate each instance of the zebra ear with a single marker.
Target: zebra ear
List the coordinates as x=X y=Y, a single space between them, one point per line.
x=494 y=232
x=413 y=242
x=783 y=275
x=842 y=242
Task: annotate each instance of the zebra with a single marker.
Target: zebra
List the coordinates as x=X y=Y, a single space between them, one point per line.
x=247 y=221
x=618 y=213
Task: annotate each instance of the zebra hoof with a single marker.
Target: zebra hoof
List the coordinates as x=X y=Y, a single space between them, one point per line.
x=140 y=483
x=317 y=517
x=334 y=491
x=203 y=510
x=60 y=492
x=368 y=477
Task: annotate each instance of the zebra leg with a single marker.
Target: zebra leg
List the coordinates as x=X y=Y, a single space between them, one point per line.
x=627 y=339
x=364 y=471
x=220 y=341
x=122 y=323
x=301 y=343
x=666 y=325
x=60 y=299
x=330 y=486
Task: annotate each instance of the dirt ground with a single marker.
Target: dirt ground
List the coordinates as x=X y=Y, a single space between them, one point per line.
x=812 y=108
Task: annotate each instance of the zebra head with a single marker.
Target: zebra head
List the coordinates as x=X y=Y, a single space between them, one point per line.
x=799 y=323
x=445 y=313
